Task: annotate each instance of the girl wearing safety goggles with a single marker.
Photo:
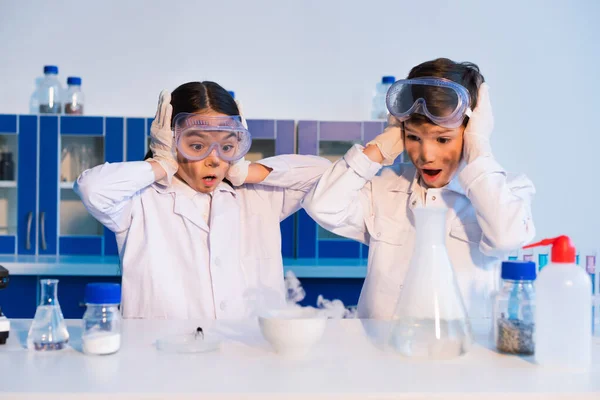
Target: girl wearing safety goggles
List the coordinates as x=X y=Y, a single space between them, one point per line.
x=197 y=225
x=441 y=117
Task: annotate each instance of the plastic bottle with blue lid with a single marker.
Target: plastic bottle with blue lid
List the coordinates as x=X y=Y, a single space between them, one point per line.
x=49 y=92
x=102 y=319
x=379 y=109
x=514 y=308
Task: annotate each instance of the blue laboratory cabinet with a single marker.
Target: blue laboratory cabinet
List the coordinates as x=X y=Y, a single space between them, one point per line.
x=39 y=212
x=330 y=140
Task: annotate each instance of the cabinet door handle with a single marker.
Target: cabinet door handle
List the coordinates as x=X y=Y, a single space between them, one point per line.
x=28 y=235
x=43 y=229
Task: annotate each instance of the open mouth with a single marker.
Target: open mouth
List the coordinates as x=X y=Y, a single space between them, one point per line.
x=209 y=180
x=431 y=175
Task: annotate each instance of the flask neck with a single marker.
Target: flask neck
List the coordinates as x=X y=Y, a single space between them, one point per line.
x=49 y=292
x=430 y=223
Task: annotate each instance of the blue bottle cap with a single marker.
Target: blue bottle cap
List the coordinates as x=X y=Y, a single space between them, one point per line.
x=74 y=80
x=388 y=79
x=231 y=93
x=50 y=69
x=518 y=270
x=103 y=293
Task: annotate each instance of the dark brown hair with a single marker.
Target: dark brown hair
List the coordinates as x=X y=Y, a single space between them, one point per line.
x=466 y=74
x=193 y=97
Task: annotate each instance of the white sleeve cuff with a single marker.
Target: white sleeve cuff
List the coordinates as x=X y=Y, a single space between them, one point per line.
x=360 y=163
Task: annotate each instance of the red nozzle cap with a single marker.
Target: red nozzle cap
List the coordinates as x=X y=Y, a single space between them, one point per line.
x=563 y=250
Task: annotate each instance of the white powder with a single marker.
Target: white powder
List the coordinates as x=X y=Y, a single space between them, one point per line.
x=101 y=343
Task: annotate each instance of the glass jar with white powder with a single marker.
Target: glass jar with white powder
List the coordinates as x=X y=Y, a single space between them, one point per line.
x=102 y=319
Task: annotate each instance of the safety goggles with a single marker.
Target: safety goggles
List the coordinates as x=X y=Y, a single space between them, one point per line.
x=196 y=136
x=444 y=102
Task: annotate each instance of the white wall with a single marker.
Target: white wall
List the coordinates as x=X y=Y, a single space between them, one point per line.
x=320 y=60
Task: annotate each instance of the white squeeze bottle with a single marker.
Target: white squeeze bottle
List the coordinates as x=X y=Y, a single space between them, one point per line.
x=563 y=326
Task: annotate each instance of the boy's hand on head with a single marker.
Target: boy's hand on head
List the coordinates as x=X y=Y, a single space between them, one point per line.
x=476 y=140
x=389 y=142
x=162 y=142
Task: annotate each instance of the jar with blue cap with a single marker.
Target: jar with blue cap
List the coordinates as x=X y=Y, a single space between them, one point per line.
x=49 y=92
x=514 y=308
x=74 y=99
x=102 y=319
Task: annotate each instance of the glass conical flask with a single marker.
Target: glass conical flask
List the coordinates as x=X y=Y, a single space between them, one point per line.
x=430 y=321
x=48 y=330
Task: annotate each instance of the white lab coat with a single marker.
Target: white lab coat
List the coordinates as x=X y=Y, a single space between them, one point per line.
x=174 y=264
x=489 y=216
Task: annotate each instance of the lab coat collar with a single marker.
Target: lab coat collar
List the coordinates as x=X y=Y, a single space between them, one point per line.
x=405 y=181
x=179 y=187
x=183 y=200
x=454 y=185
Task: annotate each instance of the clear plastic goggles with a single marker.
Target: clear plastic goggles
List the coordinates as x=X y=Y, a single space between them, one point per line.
x=444 y=102
x=196 y=136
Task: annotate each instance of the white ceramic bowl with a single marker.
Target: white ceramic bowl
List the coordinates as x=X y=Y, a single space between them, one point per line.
x=293 y=332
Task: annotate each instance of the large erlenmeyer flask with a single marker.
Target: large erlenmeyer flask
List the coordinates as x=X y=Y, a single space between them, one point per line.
x=430 y=321
x=48 y=330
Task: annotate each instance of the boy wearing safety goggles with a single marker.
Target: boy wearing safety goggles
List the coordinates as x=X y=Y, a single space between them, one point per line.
x=442 y=117
x=197 y=225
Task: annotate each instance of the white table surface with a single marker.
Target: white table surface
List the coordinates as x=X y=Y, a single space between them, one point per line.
x=345 y=364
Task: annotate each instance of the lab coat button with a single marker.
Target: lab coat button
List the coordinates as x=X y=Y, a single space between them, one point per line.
x=223 y=306
x=378 y=234
x=433 y=198
x=217 y=262
x=414 y=202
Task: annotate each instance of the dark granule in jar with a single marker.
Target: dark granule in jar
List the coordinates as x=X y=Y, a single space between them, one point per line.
x=73 y=109
x=50 y=109
x=515 y=336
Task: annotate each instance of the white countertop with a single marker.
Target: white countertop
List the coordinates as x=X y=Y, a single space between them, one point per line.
x=61 y=265
x=345 y=364
x=110 y=266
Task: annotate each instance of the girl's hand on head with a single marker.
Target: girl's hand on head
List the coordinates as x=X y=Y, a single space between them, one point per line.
x=162 y=142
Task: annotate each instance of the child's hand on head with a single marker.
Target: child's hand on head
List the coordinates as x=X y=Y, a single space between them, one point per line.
x=389 y=142
x=479 y=128
x=238 y=172
x=162 y=142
